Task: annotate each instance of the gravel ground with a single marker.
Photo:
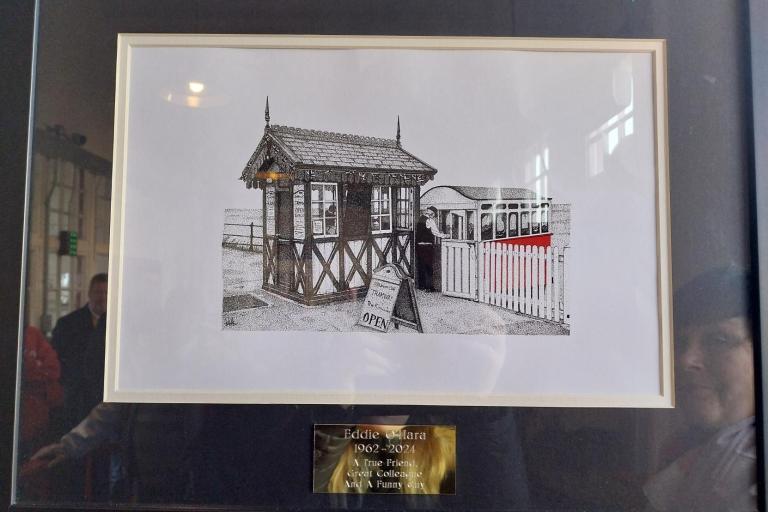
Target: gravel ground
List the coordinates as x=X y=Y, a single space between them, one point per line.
x=439 y=313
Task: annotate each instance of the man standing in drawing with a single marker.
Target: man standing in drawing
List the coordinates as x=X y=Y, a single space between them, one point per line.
x=427 y=233
x=716 y=465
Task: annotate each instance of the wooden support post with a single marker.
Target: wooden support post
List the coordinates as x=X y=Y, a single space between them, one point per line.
x=415 y=220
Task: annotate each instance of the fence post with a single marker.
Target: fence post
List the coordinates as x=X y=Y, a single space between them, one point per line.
x=556 y=277
x=548 y=280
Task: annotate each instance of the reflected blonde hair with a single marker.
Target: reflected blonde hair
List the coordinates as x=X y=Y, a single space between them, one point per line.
x=434 y=456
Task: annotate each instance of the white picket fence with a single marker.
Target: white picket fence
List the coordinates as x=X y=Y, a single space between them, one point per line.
x=526 y=279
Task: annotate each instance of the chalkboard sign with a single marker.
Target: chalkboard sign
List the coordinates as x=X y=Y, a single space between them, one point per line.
x=391 y=299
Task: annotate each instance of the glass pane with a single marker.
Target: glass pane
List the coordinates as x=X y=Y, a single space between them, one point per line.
x=385 y=223
x=67 y=176
x=66 y=199
x=509 y=458
x=501 y=225
x=512 y=224
x=486 y=226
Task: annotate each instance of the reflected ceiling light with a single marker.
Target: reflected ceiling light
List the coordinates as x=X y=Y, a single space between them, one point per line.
x=196 y=87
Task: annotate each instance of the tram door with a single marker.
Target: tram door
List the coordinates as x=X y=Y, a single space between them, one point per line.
x=458 y=258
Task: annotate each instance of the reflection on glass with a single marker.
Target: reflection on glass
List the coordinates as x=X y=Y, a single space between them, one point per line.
x=714 y=468
x=605 y=140
x=196 y=87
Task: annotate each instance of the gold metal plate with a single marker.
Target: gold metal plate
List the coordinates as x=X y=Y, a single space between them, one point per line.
x=384 y=459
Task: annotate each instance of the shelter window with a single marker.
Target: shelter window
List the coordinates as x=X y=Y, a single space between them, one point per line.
x=325 y=209
x=513 y=224
x=404 y=208
x=525 y=223
x=501 y=225
x=535 y=222
x=486 y=226
x=381 y=210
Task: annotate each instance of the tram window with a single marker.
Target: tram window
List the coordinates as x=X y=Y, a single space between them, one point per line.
x=443 y=223
x=513 y=207
x=485 y=206
x=486 y=226
x=501 y=225
x=544 y=221
x=455 y=225
x=501 y=207
x=535 y=222
x=525 y=224
x=470 y=225
x=513 y=224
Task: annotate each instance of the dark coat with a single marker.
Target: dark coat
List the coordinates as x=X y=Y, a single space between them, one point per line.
x=80 y=347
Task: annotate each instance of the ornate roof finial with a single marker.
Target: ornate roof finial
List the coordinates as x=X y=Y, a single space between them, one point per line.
x=398 y=131
x=266 y=113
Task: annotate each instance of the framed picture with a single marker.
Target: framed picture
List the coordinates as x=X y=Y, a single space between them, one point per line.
x=58 y=163
x=362 y=219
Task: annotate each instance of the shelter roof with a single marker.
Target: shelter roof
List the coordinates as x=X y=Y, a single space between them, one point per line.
x=303 y=154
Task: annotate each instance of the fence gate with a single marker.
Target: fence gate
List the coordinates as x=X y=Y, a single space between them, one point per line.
x=526 y=279
x=458 y=269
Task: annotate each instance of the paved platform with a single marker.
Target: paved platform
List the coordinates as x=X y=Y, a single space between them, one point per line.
x=439 y=313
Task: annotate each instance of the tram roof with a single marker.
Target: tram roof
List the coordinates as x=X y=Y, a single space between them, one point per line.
x=304 y=154
x=490 y=193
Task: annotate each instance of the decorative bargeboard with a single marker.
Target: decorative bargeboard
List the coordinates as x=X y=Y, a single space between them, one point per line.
x=516 y=188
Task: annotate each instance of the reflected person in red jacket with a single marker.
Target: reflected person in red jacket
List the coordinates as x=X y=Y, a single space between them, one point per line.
x=40 y=388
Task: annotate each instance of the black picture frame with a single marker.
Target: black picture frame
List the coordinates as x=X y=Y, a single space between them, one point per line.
x=747 y=44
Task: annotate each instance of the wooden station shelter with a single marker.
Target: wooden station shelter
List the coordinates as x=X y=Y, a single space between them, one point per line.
x=336 y=207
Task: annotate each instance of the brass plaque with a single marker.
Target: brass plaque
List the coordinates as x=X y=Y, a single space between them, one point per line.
x=393 y=459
